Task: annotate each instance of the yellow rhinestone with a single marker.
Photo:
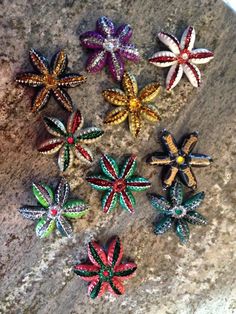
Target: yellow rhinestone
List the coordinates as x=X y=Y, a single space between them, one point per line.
x=134 y=104
x=180 y=160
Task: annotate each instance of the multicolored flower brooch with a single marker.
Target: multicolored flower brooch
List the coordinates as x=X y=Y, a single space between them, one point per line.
x=106 y=271
x=133 y=105
x=53 y=209
x=178 y=159
x=118 y=184
x=182 y=58
x=69 y=140
x=50 y=79
x=177 y=212
x=111 y=46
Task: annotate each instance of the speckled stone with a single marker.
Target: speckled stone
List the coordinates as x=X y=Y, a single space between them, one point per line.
x=36 y=274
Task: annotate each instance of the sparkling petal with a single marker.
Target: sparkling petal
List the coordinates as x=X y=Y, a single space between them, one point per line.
x=74 y=209
x=115 y=97
x=115 y=252
x=193 y=74
x=129 y=167
x=195 y=218
x=170 y=41
x=199 y=160
x=96 y=61
x=116 y=65
x=124 y=33
x=182 y=230
x=71 y=80
x=54 y=126
x=138 y=184
x=194 y=202
x=109 y=201
x=159 y=159
x=64 y=226
x=99 y=182
x=45 y=227
x=30 y=79
x=83 y=153
x=135 y=123
x=159 y=203
x=163 y=225
x=127 y=201
x=109 y=167
x=63 y=98
x=105 y=26
x=59 y=63
x=62 y=192
x=201 y=56
x=89 y=135
x=150 y=113
x=116 y=116
x=43 y=194
x=174 y=76
x=176 y=193
x=92 y=40
x=75 y=122
x=87 y=272
x=188 y=38
x=129 y=52
x=41 y=99
x=125 y=271
x=65 y=158
x=32 y=212
x=96 y=254
x=129 y=84
x=149 y=92
x=39 y=62
x=50 y=146
x=163 y=59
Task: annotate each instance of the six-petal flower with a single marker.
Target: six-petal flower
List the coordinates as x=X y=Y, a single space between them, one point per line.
x=50 y=79
x=177 y=212
x=69 y=140
x=53 y=209
x=118 y=184
x=111 y=46
x=182 y=58
x=106 y=271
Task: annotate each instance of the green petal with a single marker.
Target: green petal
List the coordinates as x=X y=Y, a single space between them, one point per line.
x=159 y=203
x=109 y=167
x=194 y=202
x=163 y=225
x=195 y=218
x=55 y=126
x=182 y=230
x=138 y=184
x=43 y=193
x=127 y=201
x=129 y=167
x=45 y=227
x=89 y=135
x=75 y=209
x=176 y=193
x=109 y=201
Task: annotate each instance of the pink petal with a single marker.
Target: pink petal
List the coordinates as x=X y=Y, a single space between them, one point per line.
x=116 y=287
x=92 y=40
x=116 y=65
x=115 y=252
x=105 y=26
x=201 y=56
x=89 y=268
x=170 y=41
x=104 y=286
x=188 y=38
x=124 y=267
x=129 y=52
x=163 y=59
x=192 y=73
x=96 y=254
x=174 y=76
x=96 y=61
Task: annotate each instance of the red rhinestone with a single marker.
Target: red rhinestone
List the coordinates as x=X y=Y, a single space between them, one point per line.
x=53 y=212
x=106 y=273
x=119 y=185
x=70 y=140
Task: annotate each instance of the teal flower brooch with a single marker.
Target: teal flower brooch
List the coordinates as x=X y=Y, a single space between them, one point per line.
x=118 y=184
x=53 y=209
x=106 y=271
x=176 y=212
x=69 y=140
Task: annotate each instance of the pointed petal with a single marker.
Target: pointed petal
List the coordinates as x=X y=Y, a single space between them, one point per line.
x=125 y=271
x=169 y=143
x=92 y=40
x=127 y=201
x=150 y=113
x=135 y=123
x=163 y=59
x=64 y=226
x=159 y=202
x=50 y=146
x=109 y=167
x=116 y=116
x=59 y=63
x=30 y=79
x=83 y=153
x=194 y=202
x=163 y=225
x=87 y=272
x=54 y=126
x=129 y=52
x=99 y=182
x=63 y=98
x=90 y=135
x=199 y=160
x=65 y=158
x=176 y=193
x=189 y=142
x=182 y=230
x=188 y=38
x=71 y=80
x=201 y=56
x=97 y=288
x=39 y=62
x=188 y=177
x=116 y=287
x=129 y=84
x=124 y=33
x=159 y=159
x=109 y=201
x=62 y=192
x=96 y=61
x=45 y=227
x=192 y=73
x=32 y=212
x=43 y=193
x=115 y=252
x=74 y=209
x=105 y=26
x=129 y=167
x=115 y=97
x=116 y=65
x=170 y=41
x=75 y=122
x=174 y=76
x=169 y=176
x=137 y=184
x=195 y=218
x=149 y=92
x=41 y=99
x=96 y=254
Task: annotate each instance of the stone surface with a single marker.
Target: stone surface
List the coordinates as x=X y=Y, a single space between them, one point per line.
x=36 y=275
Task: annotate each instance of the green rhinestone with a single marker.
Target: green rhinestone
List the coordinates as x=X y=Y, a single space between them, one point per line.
x=178 y=211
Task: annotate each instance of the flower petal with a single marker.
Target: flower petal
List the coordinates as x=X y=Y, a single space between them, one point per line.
x=65 y=158
x=39 y=62
x=99 y=182
x=124 y=33
x=59 y=63
x=135 y=123
x=188 y=38
x=138 y=184
x=105 y=26
x=159 y=202
x=71 y=80
x=115 y=252
x=182 y=230
x=97 y=288
x=63 y=98
x=192 y=73
x=199 y=160
x=54 y=126
x=30 y=79
x=109 y=166
x=96 y=254
x=187 y=176
x=174 y=76
x=201 y=56
x=75 y=122
x=149 y=92
x=45 y=227
x=115 y=97
x=116 y=287
x=169 y=143
x=64 y=226
x=90 y=135
x=43 y=193
x=127 y=201
x=129 y=52
x=195 y=218
x=150 y=113
x=125 y=271
x=50 y=146
x=75 y=209
x=189 y=142
x=96 y=61
x=41 y=99
x=159 y=159
x=129 y=84
x=170 y=41
x=83 y=153
x=176 y=193
x=129 y=167
x=169 y=176
x=109 y=201
x=86 y=272
x=194 y=202
x=163 y=59
x=163 y=225
x=116 y=65
x=92 y=40
x=32 y=212
x=62 y=192
x=116 y=116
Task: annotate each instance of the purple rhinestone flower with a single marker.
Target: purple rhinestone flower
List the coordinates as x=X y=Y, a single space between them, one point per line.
x=111 y=46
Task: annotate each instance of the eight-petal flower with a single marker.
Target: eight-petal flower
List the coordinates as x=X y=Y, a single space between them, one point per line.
x=69 y=140
x=118 y=184
x=50 y=79
x=178 y=159
x=177 y=212
x=182 y=58
x=53 y=209
x=133 y=105
x=106 y=271
x=110 y=47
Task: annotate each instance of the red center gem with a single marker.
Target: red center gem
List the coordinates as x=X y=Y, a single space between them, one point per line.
x=70 y=140
x=106 y=273
x=119 y=185
x=53 y=212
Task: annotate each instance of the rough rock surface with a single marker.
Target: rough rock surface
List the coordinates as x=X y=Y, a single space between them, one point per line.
x=36 y=275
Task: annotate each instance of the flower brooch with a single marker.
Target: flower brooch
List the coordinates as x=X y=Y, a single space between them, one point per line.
x=106 y=271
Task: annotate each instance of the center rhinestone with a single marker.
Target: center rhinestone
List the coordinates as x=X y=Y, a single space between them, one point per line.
x=179 y=211
x=106 y=273
x=183 y=57
x=111 y=44
x=53 y=211
x=50 y=81
x=119 y=185
x=134 y=104
x=180 y=160
x=70 y=140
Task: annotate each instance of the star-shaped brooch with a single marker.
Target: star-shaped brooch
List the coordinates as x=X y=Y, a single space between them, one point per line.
x=133 y=105
x=182 y=58
x=178 y=159
x=106 y=271
x=118 y=184
x=50 y=79
x=110 y=46
x=177 y=212
x=53 y=209
x=69 y=140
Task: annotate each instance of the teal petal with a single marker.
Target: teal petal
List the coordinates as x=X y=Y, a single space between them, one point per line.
x=182 y=230
x=109 y=167
x=159 y=203
x=194 y=202
x=176 y=193
x=163 y=225
x=89 y=135
x=100 y=182
x=137 y=184
x=129 y=167
x=127 y=201
x=195 y=218
x=109 y=201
